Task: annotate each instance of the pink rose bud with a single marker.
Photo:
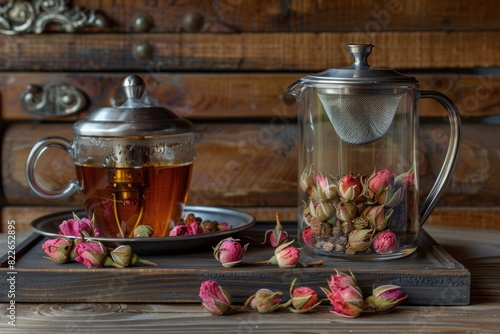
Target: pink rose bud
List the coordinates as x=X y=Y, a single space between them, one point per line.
x=215 y=299
x=385 y=242
x=224 y=226
x=303 y=299
x=377 y=217
x=385 y=298
x=91 y=254
x=194 y=228
x=58 y=249
x=179 y=230
x=266 y=301
x=405 y=179
x=276 y=236
x=229 y=252
x=347 y=302
x=285 y=255
x=341 y=280
x=307 y=236
x=350 y=187
x=326 y=188
x=380 y=180
x=76 y=227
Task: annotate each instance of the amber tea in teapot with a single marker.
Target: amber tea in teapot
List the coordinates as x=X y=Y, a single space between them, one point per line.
x=133 y=165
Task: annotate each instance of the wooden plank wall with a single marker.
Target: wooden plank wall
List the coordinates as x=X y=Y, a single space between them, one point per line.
x=225 y=65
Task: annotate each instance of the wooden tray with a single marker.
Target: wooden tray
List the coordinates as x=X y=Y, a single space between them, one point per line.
x=430 y=276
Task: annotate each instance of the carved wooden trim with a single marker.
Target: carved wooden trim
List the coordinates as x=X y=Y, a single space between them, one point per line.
x=20 y=16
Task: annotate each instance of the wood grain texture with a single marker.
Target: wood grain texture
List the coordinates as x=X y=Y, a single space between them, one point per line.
x=176 y=278
x=236 y=95
x=255 y=164
x=298 y=15
x=247 y=51
x=478 y=250
x=473 y=218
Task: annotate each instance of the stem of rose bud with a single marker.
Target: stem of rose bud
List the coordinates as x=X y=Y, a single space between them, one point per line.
x=245 y=305
x=253 y=263
x=310 y=264
x=136 y=260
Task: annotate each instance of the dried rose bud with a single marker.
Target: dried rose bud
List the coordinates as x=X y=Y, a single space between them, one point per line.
x=359 y=240
x=209 y=226
x=405 y=179
x=58 y=249
x=326 y=189
x=389 y=198
x=143 y=231
x=377 y=217
x=380 y=180
x=360 y=223
x=385 y=298
x=324 y=210
x=179 y=230
x=306 y=179
x=229 y=252
x=91 y=253
x=223 y=226
x=194 y=228
x=385 y=242
x=303 y=299
x=286 y=255
x=346 y=211
x=122 y=255
x=266 y=301
x=341 y=280
x=307 y=236
x=215 y=299
x=77 y=227
x=276 y=236
x=189 y=218
x=347 y=301
x=350 y=187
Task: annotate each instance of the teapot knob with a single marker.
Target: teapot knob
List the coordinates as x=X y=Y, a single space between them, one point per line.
x=134 y=87
x=360 y=52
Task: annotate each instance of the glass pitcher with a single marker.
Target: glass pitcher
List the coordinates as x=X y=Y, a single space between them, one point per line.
x=358 y=160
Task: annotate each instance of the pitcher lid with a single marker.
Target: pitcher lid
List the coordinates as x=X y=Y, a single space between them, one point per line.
x=133 y=117
x=359 y=71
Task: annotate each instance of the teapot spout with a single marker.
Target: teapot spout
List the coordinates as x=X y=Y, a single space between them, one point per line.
x=295 y=89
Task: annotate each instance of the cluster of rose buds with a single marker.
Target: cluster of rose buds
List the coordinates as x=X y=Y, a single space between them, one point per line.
x=229 y=252
x=90 y=253
x=218 y=302
x=191 y=225
x=347 y=299
x=354 y=213
x=344 y=295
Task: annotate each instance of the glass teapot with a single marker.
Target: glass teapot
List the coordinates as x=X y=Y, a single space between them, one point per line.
x=133 y=165
x=358 y=160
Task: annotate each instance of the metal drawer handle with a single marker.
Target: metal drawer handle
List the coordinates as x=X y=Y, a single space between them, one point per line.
x=53 y=100
x=18 y=16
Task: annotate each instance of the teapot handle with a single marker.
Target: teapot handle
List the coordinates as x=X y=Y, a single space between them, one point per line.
x=450 y=160
x=34 y=155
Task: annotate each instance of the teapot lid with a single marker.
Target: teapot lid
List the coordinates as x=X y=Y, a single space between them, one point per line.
x=133 y=117
x=359 y=71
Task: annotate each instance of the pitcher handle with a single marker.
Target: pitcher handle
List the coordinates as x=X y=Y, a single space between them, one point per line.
x=34 y=155
x=450 y=160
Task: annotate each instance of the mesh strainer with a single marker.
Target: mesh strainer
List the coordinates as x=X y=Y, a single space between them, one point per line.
x=360 y=100
x=360 y=119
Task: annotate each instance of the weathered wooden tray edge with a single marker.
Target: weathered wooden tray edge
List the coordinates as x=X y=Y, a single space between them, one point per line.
x=447 y=286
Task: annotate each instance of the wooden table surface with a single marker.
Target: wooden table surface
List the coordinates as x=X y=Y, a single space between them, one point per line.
x=477 y=250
